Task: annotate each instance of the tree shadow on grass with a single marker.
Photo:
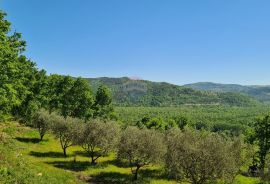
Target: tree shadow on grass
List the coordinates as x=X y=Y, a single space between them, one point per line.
x=51 y=154
x=71 y=165
x=111 y=178
x=153 y=173
x=28 y=140
x=81 y=153
x=115 y=162
x=118 y=163
x=76 y=165
x=144 y=177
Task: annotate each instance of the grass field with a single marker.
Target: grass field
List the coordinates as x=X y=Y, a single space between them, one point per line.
x=26 y=160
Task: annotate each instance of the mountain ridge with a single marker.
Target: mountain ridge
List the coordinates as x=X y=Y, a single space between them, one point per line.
x=259 y=92
x=133 y=92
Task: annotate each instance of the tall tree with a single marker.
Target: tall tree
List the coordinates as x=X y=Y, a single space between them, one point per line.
x=261 y=136
x=103 y=103
x=17 y=73
x=36 y=98
x=62 y=89
x=58 y=89
x=72 y=97
x=79 y=100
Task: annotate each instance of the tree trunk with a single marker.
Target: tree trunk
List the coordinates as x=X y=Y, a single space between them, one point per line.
x=93 y=162
x=41 y=137
x=262 y=165
x=136 y=173
x=64 y=150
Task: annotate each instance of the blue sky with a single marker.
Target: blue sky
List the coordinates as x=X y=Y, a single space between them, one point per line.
x=177 y=41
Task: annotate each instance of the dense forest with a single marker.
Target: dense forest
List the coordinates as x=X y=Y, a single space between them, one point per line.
x=261 y=93
x=59 y=129
x=130 y=92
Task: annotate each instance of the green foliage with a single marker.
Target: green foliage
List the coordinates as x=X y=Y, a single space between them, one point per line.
x=19 y=77
x=42 y=122
x=99 y=138
x=200 y=157
x=71 y=97
x=171 y=123
x=103 y=96
x=66 y=130
x=232 y=120
x=260 y=93
x=261 y=136
x=103 y=103
x=156 y=123
x=181 y=122
x=141 y=147
x=230 y=129
x=36 y=98
x=201 y=125
x=78 y=100
x=127 y=92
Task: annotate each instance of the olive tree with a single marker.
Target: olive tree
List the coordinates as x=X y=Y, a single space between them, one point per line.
x=141 y=147
x=66 y=130
x=41 y=121
x=99 y=138
x=201 y=157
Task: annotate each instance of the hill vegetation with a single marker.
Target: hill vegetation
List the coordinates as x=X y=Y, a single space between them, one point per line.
x=128 y=92
x=231 y=120
x=261 y=93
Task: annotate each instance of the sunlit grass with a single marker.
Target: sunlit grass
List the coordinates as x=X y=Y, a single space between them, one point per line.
x=47 y=158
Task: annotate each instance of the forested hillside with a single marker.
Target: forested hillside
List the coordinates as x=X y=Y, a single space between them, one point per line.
x=261 y=93
x=129 y=92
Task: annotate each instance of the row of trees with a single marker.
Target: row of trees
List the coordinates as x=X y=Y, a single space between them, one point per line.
x=18 y=75
x=189 y=155
x=257 y=136
x=181 y=122
x=73 y=131
x=68 y=96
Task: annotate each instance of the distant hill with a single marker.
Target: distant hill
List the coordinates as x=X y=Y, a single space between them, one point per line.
x=261 y=93
x=130 y=92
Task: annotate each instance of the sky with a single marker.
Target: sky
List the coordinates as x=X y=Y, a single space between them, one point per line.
x=176 y=41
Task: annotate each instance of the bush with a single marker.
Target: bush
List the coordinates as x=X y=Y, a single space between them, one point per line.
x=201 y=157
